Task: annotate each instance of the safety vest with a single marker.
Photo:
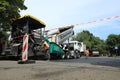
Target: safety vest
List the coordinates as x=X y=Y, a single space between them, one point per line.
x=87 y=52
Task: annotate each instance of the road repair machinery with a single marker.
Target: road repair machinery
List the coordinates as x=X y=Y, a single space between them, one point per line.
x=77 y=49
x=24 y=24
x=35 y=29
x=95 y=52
x=61 y=36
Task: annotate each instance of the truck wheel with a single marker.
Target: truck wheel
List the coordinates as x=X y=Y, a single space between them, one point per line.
x=67 y=55
x=78 y=55
x=75 y=56
x=63 y=56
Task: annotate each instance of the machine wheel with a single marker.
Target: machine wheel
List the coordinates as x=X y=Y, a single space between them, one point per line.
x=75 y=56
x=48 y=57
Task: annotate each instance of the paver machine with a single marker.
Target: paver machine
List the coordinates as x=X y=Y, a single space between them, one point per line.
x=25 y=24
x=35 y=29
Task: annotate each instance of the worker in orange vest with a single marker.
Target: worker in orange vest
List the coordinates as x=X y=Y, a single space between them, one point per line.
x=45 y=45
x=46 y=49
x=87 y=53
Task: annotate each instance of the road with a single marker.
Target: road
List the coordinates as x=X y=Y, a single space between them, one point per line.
x=105 y=61
x=93 y=68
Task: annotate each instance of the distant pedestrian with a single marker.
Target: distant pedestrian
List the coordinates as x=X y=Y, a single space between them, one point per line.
x=87 y=53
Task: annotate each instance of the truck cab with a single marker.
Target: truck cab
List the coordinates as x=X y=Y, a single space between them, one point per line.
x=75 y=44
x=75 y=49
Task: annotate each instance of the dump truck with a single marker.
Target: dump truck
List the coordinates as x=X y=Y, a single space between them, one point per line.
x=76 y=48
x=61 y=36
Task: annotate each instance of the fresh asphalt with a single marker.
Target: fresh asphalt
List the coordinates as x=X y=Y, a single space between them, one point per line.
x=104 y=61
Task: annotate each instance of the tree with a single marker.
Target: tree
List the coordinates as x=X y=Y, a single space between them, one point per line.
x=90 y=40
x=9 y=10
x=112 y=41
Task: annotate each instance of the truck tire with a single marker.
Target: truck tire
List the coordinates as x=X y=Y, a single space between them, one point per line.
x=75 y=56
x=67 y=55
x=63 y=56
x=78 y=56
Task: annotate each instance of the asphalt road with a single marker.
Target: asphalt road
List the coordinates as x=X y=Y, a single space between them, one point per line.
x=93 y=68
x=104 y=61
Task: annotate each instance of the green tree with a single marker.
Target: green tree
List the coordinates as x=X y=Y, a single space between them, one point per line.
x=9 y=10
x=112 y=41
x=90 y=40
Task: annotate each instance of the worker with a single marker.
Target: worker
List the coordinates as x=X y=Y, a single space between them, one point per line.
x=46 y=49
x=87 y=53
x=45 y=45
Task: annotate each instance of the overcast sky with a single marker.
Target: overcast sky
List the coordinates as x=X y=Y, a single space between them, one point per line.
x=57 y=13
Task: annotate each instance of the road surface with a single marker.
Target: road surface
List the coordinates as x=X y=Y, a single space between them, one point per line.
x=93 y=68
x=105 y=61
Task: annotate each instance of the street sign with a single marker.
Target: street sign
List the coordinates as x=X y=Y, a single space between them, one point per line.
x=116 y=47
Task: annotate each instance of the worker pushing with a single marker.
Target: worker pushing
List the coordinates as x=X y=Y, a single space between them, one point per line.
x=45 y=45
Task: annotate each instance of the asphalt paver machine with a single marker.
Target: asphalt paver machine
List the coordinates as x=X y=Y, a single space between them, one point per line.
x=35 y=30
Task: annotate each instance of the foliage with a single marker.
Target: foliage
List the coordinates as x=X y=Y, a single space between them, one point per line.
x=90 y=40
x=112 y=41
x=9 y=10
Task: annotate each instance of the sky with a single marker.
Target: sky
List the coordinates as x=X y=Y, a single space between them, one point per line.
x=58 y=13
